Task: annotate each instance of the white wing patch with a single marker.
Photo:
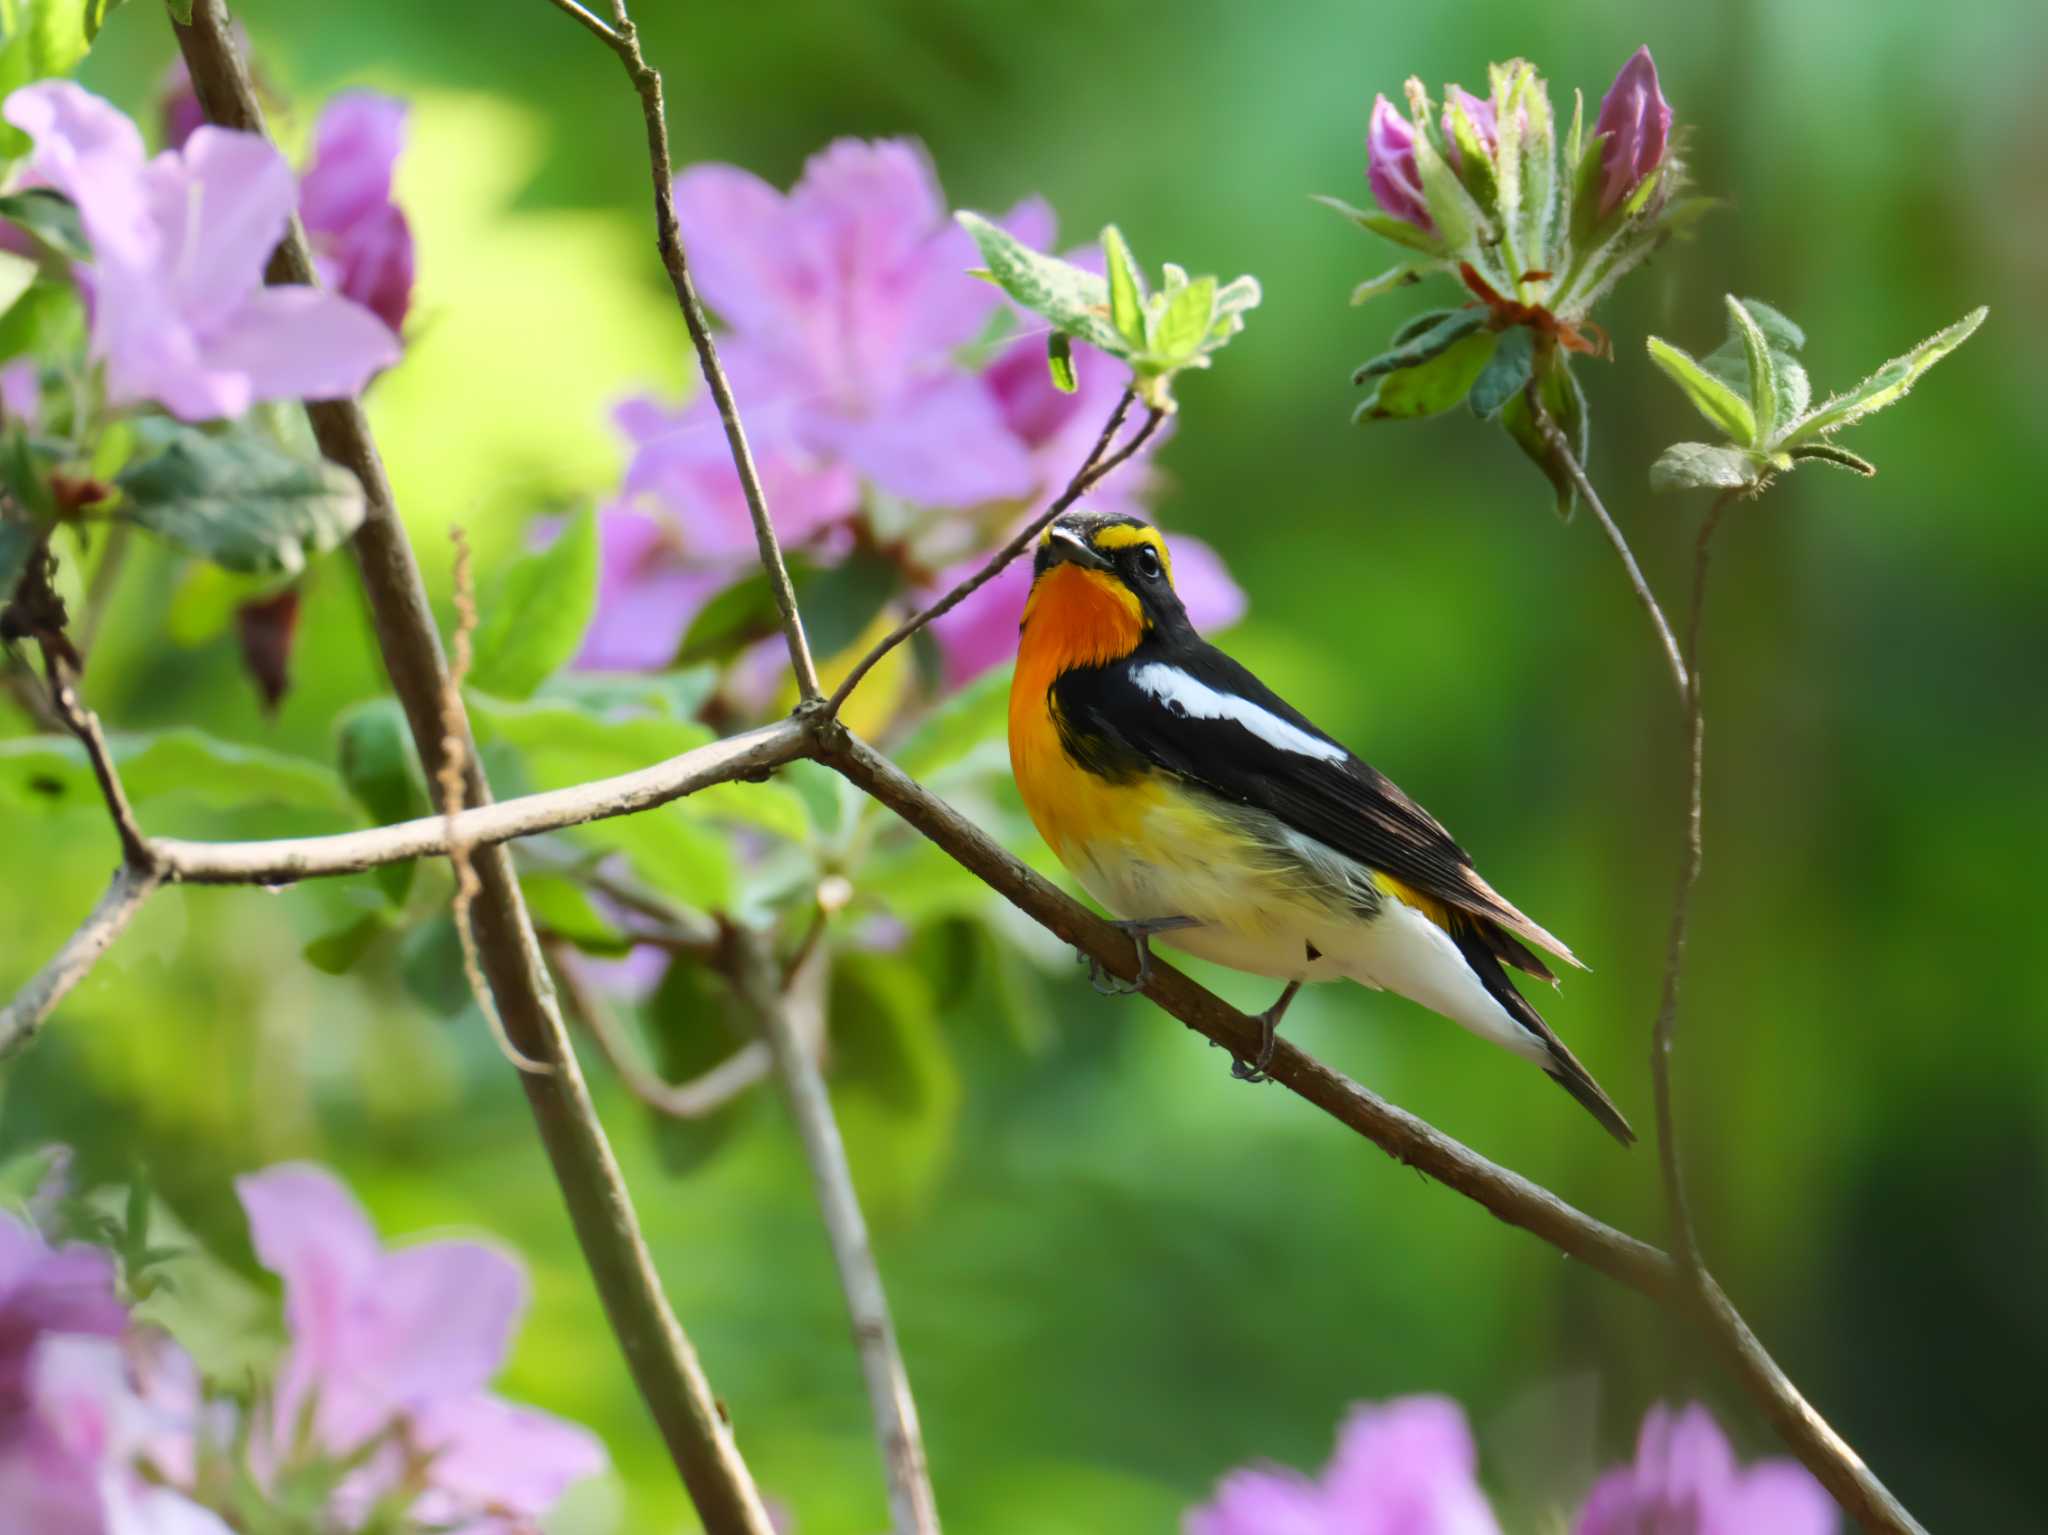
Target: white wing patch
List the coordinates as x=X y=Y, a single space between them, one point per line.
x=1192 y=698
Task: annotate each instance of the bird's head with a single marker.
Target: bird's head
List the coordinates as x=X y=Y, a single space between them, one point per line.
x=1100 y=584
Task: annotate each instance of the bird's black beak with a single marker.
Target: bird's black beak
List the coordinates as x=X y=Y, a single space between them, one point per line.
x=1063 y=544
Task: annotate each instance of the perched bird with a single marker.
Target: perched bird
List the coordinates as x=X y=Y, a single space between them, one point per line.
x=1197 y=805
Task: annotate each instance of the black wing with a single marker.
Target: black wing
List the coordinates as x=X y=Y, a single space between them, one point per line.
x=1111 y=720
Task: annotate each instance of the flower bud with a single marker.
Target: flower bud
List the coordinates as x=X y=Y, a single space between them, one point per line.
x=1636 y=119
x=1390 y=166
x=1480 y=112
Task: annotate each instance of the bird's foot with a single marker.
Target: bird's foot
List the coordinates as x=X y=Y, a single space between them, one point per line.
x=1141 y=931
x=1254 y=1070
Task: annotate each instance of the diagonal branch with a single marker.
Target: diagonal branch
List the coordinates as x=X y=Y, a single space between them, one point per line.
x=25 y=1015
x=136 y=852
x=912 y=1508
x=1099 y=463
x=665 y=1367
x=624 y=40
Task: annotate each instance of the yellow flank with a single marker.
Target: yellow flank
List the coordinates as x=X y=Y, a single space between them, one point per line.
x=1408 y=895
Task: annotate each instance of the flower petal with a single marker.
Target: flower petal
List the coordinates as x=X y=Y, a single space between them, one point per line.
x=732 y=224
x=298 y=343
x=222 y=207
x=310 y=1232
x=493 y=1454
x=941 y=445
x=436 y=1321
x=1409 y=1467
x=90 y=152
x=1266 y=1502
x=355 y=144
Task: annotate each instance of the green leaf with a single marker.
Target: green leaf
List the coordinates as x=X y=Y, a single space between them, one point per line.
x=562 y=907
x=17 y=276
x=1763 y=373
x=1476 y=169
x=374 y=747
x=46 y=774
x=181 y=11
x=1385 y=225
x=533 y=621
x=340 y=950
x=1782 y=333
x=1059 y=355
x=1505 y=373
x=731 y=620
x=44 y=38
x=1126 y=289
x=1828 y=453
x=1709 y=395
x=976 y=714
x=1417 y=343
x=840 y=602
x=18 y=539
x=896 y=1088
x=97 y=12
x=1700 y=465
x=1074 y=300
x=240 y=500
x=1562 y=398
x=1418 y=325
x=24 y=478
x=1185 y=323
x=1386 y=282
x=46 y=319
x=1886 y=385
x=692 y=1025
x=51 y=218
x=1457 y=217
x=1432 y=387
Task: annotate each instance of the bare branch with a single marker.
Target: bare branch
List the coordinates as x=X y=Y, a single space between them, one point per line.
x=624 y=40
x=912 y=1508
x=1099 y=463
x=84 y=724
x=678 y=1100
x=1562 y=447
x=286 y=860
x=34 y=1003
x=664 y=1366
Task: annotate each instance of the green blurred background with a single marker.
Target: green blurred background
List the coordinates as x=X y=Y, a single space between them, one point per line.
x=1116 y=1272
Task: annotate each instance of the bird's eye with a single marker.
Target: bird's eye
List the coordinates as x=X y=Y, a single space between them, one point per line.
x=1148 y=562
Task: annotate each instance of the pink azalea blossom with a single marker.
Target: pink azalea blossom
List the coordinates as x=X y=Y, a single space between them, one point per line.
x=68 y=1289
x=982 y=631
x=405 y=1341
x=1405 y=1468
x=1636 y=119
x=1390 y=166
x=361 y=241
x=846 y=300
x=180 y=313
x=1685 y=1481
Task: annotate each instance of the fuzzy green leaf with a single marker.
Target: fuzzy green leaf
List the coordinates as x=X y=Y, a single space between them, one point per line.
x=1385 y=225
x=533 y=621
x=1566 y=405
x=1763 y=372
x=1888 y=384
x=1074 y=300
x=1126 y=289
x=1185 y=321
x=1456 y=215
x=1697 y=465
x=1505 y=373
x=45 y=773
x=240 y=500
x=1386 y=282
x=1710 y=396
x=1828 y=453
x=1432 y=387
x=1417 y=343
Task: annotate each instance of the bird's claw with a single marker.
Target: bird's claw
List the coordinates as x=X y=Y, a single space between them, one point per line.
x=1140 y=931
x=1256 y=1069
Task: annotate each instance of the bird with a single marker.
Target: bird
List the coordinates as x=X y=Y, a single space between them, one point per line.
x=1201 y=808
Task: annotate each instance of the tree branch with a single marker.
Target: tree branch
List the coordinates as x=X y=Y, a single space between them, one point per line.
x=34 y=1003
x=1091 y=473
x=624 y=40
x=1562 y=448
x=912 y=1508
x=83 y=723
x=663 y=1364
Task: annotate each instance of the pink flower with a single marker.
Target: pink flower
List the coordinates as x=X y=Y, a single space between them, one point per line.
x=1480 y=111
x=361 y=240
x=67 y=1289
x=982 y=631
x=180 y=314
x=404 y=1342
x=1405 y=1468
x=1390 y=166
x=1636 y=119
x=21 y=392
x=847 y=299
x=1684 y=1481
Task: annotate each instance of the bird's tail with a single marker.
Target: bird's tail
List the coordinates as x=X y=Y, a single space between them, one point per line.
x=1559 y=1064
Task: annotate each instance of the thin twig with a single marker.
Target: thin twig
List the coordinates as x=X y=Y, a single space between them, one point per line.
x=24 y=1016
x=1562 y=448
x=624 y=40
x=84 y=724
x=449 y=780
x=1099 y=462
x=912 y=1508
x=694 y=1426
x=678 y=1100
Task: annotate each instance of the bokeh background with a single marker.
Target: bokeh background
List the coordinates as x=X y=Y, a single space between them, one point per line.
x=1117 y=1272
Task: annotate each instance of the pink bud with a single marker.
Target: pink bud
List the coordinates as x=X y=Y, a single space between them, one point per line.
x=1637 y=121
x=1480 y=111
x=1390 y=166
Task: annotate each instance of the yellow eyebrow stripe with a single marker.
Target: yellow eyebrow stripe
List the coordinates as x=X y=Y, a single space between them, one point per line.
x=1124 y=535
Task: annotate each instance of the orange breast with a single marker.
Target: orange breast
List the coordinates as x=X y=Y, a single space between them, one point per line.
x=1075 y=617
